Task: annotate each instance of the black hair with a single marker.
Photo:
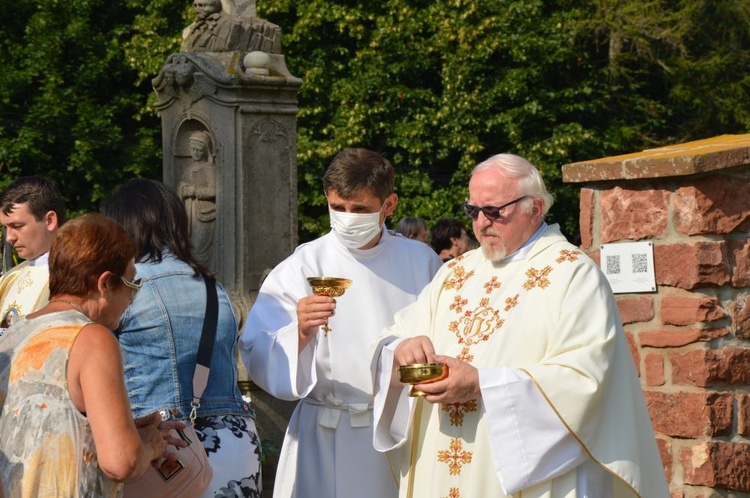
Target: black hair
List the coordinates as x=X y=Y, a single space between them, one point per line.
x=155 y=218
x=39 y=193
x=443 y=231
x=356 y=170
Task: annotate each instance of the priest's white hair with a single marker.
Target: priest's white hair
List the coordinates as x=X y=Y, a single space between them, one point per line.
x=516 y=167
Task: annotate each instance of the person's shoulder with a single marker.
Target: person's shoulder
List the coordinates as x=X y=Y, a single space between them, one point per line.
x=95 y=335
x=416 y=249
x=14 y=271
x=568 y=259
x=12 y=274
x=304 y=254
x=168 y=264
x=401 y=240
x=322 y=243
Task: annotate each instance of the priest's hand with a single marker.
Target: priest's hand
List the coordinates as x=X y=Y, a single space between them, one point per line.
x=410 y=351
x=414 y=350
x=461 y=385
x=313 y=312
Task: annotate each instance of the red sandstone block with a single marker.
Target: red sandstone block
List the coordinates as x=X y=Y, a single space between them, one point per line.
x=739 y=310
x=676 y=310
x=690 y=368
x=665 y=451
x=743 y=415
x=739 y=260
x=654 y=369
x=688 y=266
x=635 y=309
x=634 y=352
x=718 y=204
x=710 y=367
x=586 y=217
x=633 y=214
x=677 y=338
x=690 y=415
x=718 y=465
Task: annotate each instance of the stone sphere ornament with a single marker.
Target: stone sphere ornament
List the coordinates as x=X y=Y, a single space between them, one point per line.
x=257 y=62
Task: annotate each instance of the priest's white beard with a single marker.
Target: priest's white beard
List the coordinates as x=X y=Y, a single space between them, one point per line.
x=494 y=254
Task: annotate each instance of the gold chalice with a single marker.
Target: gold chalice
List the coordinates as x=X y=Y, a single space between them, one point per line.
x=328 y=286
x=421 y=373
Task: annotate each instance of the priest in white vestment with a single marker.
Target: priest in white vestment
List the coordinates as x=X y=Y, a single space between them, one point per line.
x=31 y=211
x=327 y=450
x=542 y=399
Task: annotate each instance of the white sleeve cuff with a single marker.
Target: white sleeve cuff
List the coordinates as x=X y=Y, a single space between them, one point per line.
x=392 y=408
x=529 y=442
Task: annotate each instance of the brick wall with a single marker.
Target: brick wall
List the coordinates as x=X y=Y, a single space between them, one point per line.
x=691 y=338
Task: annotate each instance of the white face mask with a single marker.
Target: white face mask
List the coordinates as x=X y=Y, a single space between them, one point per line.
x=355 y=230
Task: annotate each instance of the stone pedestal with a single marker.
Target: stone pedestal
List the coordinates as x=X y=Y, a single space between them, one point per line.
x=251 y=119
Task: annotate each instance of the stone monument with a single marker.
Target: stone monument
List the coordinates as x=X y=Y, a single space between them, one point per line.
x=228 y=107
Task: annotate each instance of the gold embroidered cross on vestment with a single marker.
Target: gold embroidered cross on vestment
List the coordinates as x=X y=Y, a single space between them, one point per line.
x=456 y=411
x=455 y=457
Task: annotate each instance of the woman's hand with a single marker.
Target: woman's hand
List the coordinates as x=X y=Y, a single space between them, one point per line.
x=166 y=430
x=153 y=438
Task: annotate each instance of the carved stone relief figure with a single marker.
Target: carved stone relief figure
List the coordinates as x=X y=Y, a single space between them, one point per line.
x=197 y=188
x=213 y=30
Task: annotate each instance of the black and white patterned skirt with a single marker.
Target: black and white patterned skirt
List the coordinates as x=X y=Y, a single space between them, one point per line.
x=233 y=448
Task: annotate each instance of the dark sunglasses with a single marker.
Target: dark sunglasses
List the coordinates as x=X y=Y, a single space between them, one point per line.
x=491 y=212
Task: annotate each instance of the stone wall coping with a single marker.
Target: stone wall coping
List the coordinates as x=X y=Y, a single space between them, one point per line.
x=689 y=158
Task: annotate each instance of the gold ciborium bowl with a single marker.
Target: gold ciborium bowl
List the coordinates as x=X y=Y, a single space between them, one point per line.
x=328 y=286
x=421 y=373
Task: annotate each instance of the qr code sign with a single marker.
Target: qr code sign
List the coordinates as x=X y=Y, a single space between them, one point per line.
x=640 y=263
x=613 y=264
x=629 y=266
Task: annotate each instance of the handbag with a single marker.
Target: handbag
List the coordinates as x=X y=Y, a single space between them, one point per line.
x=190 y=474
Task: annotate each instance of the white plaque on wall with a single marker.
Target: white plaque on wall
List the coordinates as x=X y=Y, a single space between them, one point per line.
x=629 y=266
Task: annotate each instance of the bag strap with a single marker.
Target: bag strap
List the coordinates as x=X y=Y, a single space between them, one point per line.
x=206 y=346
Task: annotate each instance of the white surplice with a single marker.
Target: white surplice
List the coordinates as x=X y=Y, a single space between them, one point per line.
x=327 y=450
x=562 y=413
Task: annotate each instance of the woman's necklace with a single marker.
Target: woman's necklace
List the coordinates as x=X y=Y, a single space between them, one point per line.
x=71 y=304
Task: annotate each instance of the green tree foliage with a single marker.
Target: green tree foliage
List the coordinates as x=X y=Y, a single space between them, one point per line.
x=73 y=103
x=437 y=86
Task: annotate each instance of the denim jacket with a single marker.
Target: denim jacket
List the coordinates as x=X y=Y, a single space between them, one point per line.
x=159 y=335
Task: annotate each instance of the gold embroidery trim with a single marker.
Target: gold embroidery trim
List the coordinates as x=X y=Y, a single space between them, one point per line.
x=414 y=447
x=585 y=448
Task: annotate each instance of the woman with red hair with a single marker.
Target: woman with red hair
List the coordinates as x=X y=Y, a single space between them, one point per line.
x=66 y=428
